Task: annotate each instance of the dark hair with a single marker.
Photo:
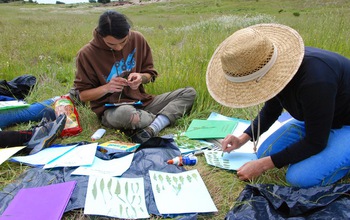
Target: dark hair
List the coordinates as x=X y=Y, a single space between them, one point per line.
x=114 y=24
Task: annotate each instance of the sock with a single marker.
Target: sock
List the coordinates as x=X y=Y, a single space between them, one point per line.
x=159 y=123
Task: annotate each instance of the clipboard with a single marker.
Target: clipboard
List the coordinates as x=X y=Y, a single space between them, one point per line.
x=138 y=103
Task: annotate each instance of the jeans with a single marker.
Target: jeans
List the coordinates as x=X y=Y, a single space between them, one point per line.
x=35 y=112
x=324 y=168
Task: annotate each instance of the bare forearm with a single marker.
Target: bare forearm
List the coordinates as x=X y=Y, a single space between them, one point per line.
x=244 y=138
x=146 y=78
x=93 y=94
x=254 y=168
x=266 y=163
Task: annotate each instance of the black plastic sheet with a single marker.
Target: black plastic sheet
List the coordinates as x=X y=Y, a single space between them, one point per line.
x=152 y=155
x=19 y=87
x=264 y=201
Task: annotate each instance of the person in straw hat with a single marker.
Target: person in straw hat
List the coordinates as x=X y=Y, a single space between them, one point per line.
x=268 y=63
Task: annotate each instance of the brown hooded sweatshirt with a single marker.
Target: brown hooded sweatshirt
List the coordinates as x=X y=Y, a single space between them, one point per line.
x=96 y=63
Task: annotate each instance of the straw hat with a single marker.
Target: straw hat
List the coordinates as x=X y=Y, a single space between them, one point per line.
x=254 y=64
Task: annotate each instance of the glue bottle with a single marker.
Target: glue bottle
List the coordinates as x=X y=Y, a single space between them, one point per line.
x=98 y=134
x=188 y=160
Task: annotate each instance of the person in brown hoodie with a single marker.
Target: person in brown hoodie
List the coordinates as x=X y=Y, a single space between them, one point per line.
x=112 y=69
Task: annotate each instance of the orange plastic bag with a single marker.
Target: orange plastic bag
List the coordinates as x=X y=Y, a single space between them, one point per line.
x=64 y=105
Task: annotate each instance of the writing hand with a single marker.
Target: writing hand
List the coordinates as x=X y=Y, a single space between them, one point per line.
x=230 y=143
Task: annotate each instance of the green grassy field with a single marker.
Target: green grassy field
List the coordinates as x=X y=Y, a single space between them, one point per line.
x=42 y=40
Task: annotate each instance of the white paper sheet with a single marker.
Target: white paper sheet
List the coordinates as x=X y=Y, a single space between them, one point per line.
x=229 y=161
x=184 y=192
x=114 y=167
x=44 y=156
x=116 y=197
x=78 y=156
x=6 y=153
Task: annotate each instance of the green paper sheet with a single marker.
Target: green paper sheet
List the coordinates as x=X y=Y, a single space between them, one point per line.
x=208 y=129
x=4 y=105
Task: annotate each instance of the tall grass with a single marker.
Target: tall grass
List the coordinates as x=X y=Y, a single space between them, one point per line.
x=42 y=40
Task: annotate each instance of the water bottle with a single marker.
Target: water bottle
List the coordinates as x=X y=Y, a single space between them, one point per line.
x=187 y=160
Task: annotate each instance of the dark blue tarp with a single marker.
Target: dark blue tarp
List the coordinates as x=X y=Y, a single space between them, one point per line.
x=152 y=155
x=264 y=201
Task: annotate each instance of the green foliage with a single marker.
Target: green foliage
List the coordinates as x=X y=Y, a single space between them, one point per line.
x=296 y=14
x=43 y=40
x=103 y=1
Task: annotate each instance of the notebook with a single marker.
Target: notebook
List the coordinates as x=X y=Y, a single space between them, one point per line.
x=208 y=129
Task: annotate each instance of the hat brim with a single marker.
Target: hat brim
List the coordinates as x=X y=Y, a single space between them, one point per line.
x=290 y=47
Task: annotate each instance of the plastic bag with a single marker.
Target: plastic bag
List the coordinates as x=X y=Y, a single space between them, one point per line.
x=19 y=87
x=273 y=202
x=64 y=105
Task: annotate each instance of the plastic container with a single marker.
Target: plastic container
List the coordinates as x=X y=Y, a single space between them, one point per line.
x=98 y=134
x=188 y=160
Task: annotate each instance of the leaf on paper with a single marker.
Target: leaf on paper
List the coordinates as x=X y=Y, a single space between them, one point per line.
x=109 y=186
x=194 y=175
x=117 y=191
x=182 y=179
x=160 y=177
x=102 y=184
x=126 y=189
x=175 y=179
x=120 y=209
x=140 y=200
x=157 y=188
x=94 y=190
x=137 y=187
x=189 y=178
x=168 y=179
x=117 y=188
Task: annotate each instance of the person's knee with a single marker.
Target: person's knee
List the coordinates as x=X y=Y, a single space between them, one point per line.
x=191 y=92
x=124 y=117
x=303 y=178
x=188 y=96
x=145 y=119
x=264 y=149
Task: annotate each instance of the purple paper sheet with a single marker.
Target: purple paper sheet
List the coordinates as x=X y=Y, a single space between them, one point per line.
x=40 y=203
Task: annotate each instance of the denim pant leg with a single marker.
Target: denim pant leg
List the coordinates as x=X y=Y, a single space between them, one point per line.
x=35 y=112
x=287 y=134
x=326 y=167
